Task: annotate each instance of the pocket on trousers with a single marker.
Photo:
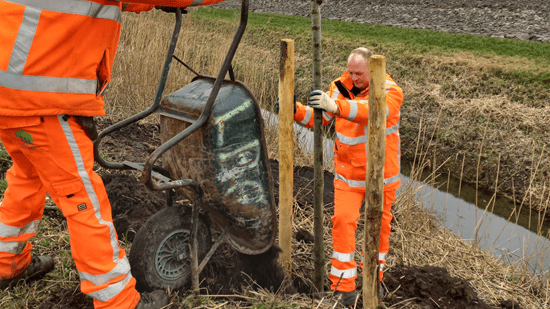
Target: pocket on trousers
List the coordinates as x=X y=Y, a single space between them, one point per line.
x=71 y=200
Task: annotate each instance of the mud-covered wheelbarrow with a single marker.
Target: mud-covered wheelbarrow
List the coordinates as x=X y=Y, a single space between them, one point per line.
x=214 y=154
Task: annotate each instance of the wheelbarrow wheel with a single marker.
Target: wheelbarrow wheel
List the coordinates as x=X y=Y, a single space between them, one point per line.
x=160 y=255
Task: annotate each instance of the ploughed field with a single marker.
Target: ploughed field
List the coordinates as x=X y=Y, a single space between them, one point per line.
x=522 y=20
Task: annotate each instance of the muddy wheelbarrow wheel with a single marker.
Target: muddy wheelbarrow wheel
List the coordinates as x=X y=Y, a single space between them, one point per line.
x=160 y=256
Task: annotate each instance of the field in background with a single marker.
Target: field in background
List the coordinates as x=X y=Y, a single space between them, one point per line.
x=481 y=106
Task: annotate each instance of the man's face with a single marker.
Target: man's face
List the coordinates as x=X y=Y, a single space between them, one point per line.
x=358 y=70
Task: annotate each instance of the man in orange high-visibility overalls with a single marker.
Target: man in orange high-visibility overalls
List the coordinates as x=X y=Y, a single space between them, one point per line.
x=347 y=104
x=55 y=61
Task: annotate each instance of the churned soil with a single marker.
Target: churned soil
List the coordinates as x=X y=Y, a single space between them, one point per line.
x=228 y=270
x=522 y=20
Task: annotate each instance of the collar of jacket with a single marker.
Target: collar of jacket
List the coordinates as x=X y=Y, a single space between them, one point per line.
x=346 y=81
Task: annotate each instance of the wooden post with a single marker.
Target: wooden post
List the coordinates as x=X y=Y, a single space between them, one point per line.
x=318 y=228
x=286 y=151
x=374 y=195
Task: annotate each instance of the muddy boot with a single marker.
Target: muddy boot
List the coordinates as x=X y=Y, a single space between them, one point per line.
x=154 y=300
x=39 y=266
x=346 y=299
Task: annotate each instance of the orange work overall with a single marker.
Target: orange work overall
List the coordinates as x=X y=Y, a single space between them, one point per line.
x=56 y=59
x=350 y=165
x=53 y=154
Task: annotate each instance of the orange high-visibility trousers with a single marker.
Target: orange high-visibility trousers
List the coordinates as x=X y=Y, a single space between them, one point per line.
x=53 y=154
x=347 y=205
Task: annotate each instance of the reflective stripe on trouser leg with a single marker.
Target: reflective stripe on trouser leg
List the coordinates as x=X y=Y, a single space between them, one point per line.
x=21 y=209
x=344 y=224
x=62 y=154
x=385 y=230
x=104 y=269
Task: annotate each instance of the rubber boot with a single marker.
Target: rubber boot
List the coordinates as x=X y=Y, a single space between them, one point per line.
x=38 y=267
x=154 y=300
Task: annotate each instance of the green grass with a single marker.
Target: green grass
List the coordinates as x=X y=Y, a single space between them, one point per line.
x=419 y=41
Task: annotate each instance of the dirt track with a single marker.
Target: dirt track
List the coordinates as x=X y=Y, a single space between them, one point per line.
x=522 y=20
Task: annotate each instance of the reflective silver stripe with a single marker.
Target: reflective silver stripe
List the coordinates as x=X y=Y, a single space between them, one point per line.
x=307 y=118
x=399 y=151
x=88 y=186
x=197 y=2
x=390 y=82
x=336 y=93
x=382 y=256
x=393 y=129
x=346 y=274
x=387 y=112
x=343 y=257
x=77 y=7
x=361 y=183
x=14 y=247
x=47 y=84
x=393 y=179
x=351 y=140
x=11 y=231
x=352 y=110
x=327 y=116
x=351 y=183
x=24 y=39
x=112 y=290
x=122 y=268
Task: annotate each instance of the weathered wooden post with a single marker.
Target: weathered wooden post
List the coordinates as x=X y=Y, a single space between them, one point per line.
x=286 y=151
x=374 y=194
x=319 y=253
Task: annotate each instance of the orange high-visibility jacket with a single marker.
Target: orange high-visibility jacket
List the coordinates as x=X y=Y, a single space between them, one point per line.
x=351 y=126
x=56 y=55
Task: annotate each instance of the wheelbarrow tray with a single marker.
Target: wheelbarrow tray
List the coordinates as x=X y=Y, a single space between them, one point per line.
x=227 y=156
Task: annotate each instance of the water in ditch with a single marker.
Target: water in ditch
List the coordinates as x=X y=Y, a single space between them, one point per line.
x=508 y=230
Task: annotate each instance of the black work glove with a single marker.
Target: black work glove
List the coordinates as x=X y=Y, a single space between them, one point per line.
x=277 y=105
x=170 y=9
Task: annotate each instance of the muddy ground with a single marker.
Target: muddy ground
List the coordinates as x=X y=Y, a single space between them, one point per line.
x=133 y=204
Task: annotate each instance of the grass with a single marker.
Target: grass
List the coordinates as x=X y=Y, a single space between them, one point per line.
x=467 y=100
x=423 y=41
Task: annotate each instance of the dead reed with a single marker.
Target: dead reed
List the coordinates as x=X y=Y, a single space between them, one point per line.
x=418 y=238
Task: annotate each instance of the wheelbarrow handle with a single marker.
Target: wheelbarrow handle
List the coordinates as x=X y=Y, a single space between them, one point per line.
x=147 y=177
x=160 y=89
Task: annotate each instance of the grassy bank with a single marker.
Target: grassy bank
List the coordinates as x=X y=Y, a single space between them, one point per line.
x=477 y=105
x=481 y=105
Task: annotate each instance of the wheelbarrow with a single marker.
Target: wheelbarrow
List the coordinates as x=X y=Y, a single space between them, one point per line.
x=214 y=154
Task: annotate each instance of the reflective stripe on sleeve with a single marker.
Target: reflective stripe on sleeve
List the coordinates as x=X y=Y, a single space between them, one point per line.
x=352 y=110
x=11 y=231
x=112 y=290
x=345 y=274
x=327 y=117
x=24 y=39
x=343 y=257
x=77 y=7
x=47 y=84
x=307 y=117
